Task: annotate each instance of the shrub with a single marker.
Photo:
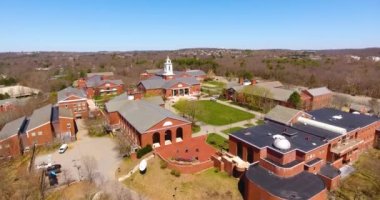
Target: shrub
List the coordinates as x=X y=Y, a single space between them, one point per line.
x=141 y=152
x=175 y=173
x=163 y=164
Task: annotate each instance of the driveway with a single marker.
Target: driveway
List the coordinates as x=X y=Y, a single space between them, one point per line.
x=102 y=149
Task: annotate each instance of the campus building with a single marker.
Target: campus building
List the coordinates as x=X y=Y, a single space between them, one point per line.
x=75 y=100
x=100 y=84
x=170 y=83
x=44 y=126
x=278 y=94
x=297 y=155
x=146 y=122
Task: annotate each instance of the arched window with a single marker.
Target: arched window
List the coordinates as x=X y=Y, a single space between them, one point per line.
x=168 y=135
x=156 y=137
x=179 y=133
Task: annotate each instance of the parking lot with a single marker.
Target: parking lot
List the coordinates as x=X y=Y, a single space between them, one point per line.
x=102 y=149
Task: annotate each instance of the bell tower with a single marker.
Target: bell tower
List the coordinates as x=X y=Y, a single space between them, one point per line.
x=168 y=67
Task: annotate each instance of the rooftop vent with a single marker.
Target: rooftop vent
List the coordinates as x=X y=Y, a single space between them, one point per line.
x=314 y=144
x=247 y=133
x=337 y=117
x=269 y=134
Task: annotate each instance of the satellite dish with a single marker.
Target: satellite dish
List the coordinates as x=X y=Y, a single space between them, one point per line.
x=143 y=165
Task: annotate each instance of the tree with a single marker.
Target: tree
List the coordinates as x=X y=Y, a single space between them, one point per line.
x=188 y=108
x=375 y=106
x=295 y=100
x=258 y=97
x=123 y=144
x=89 y=168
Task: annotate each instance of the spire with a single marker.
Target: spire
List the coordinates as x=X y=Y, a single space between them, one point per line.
x=168 y=67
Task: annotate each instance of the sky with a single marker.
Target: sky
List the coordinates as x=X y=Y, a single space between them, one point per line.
x=111 y=25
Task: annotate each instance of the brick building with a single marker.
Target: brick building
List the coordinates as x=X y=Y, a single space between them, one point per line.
x=316 y=98
x=100 y=84
x=279 y=94
x=41 y=128
x=297 y=155
x=75 y=100
x=145 y=122
x=169 y=83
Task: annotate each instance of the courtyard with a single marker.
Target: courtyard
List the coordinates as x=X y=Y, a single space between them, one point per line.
x=214 y=113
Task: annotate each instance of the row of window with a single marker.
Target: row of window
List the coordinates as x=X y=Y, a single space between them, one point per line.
x=34 y=133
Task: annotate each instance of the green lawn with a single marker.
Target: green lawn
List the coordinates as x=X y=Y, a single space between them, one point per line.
x=213 y=87
x=213 y=113
x=217 y=141
x=231 y=130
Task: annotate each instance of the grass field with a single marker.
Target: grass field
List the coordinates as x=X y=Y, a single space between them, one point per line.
x=213 y=87
x=231 y=130
x=211 y=112
x=217 y=141
x=364 y=183
x=159 y=184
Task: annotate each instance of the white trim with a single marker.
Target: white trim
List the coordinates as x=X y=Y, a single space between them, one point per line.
x=8 y=137
x=63 y=101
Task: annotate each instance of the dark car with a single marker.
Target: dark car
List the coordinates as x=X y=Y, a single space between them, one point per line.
x=53 y=167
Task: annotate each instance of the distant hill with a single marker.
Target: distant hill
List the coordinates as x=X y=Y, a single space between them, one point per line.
x=337 y=68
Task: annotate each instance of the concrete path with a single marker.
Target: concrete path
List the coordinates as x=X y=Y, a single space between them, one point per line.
x=135 y=169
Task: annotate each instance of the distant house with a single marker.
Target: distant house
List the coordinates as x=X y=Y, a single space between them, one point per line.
x=75 y=100
x=145 y=122
x=8 y=105
x=104 y=75
x=100 y=85
x=170 y=83
x=44 y=126
x=311 y=98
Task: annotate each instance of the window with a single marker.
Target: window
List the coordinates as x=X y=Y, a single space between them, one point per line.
x=83 y=104
x=66 y=106
x=33 y=134
x=7 y=146
x=39 y=133
x=68 y=125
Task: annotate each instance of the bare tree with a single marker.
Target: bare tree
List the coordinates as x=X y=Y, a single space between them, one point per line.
x=89 y=167
x=67 y=179
x=375 y=106
x=339 y=101
x=123 y=144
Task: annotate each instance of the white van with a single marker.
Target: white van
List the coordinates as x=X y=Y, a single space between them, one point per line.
x=63 y=148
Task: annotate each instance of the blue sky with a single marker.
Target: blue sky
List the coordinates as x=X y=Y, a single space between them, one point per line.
x=96 y=25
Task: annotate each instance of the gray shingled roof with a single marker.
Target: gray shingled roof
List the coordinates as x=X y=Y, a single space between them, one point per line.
x=278 y=94
x=143 y=115
x=63 y=94
x=40 y=116
x=156 y=100
x=115 y=104
x=11 y=128
x=152 y=83
x=187 y=80
x=99 y=74
x=96 y=81
x=196 y=72
x=274 y=84
x=281 y=114
x=319 y=91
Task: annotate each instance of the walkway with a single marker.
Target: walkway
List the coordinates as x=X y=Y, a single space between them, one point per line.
x=135 y=169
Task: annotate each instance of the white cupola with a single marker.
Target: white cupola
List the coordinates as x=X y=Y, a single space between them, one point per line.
x=168 y=67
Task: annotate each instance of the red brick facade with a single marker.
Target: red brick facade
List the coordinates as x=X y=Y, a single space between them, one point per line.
x=274 y=161
x=10 y=146
x=77 y=105
x=40 y=135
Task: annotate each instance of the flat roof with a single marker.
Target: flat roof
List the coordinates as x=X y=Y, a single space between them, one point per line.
x=342 y=119
x=262 y=136
x=304 y=185
x=329 y=171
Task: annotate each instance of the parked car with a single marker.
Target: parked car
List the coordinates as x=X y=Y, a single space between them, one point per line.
x=63 y=148
x=55 y=169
